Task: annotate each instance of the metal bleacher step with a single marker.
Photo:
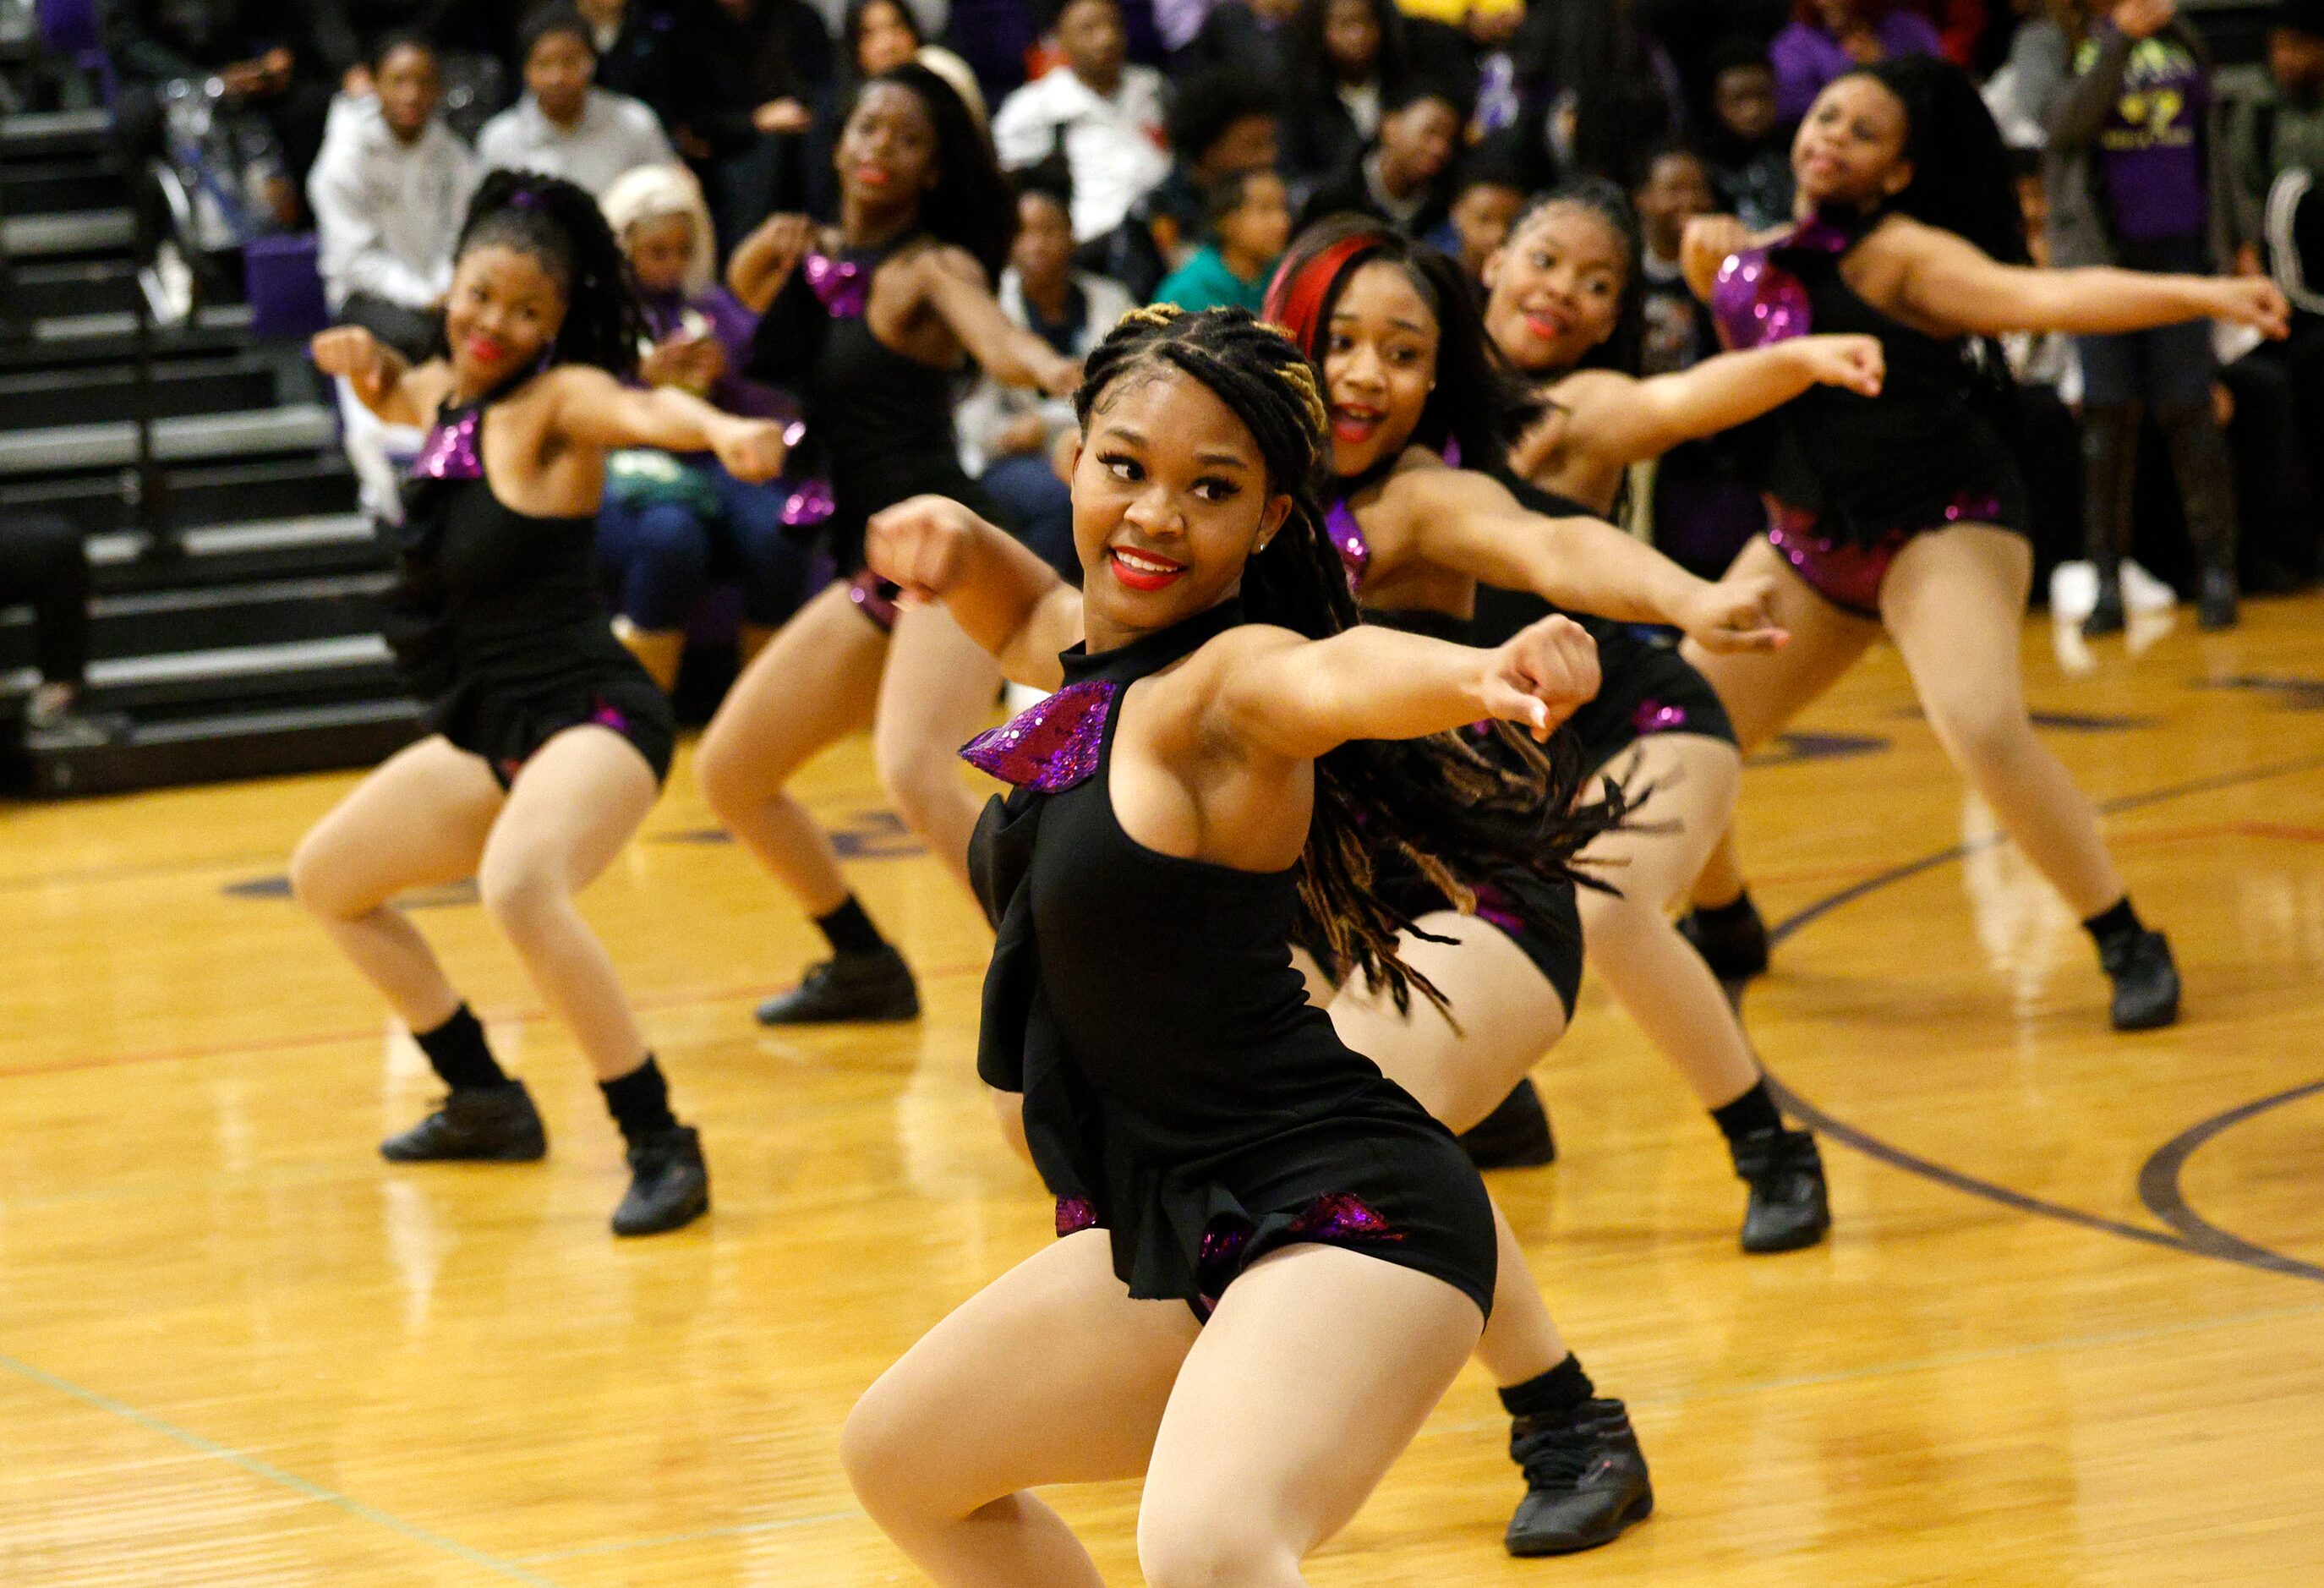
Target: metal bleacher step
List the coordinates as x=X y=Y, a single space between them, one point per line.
x=184 y=683
x=266 y=742
x=74 y=287
x=54 y=134
x=313 y=547
x=303 y=426
x=68 y=232
x=67 y=341
x=264 y=611
x=303 y=486
x=192 y=382
x=82 y=182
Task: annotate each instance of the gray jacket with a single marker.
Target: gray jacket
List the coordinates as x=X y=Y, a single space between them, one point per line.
x=2073 y=109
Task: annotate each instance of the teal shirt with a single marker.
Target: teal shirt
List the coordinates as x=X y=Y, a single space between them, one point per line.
x=1205 y=282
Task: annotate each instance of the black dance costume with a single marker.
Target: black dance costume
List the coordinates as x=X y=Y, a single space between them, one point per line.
x=1180 y=1091
x=1851 y=478
x=1552 y=937
x=1644 y=687
x=879 y=422
x=496 y=619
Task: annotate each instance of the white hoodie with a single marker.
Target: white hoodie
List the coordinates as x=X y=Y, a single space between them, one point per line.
x=387 y=213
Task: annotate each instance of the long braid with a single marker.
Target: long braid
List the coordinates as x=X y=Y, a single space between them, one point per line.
x=561 y=224
x=1451 y=807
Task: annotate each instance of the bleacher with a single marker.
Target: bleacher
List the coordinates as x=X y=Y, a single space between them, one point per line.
x=236 y=616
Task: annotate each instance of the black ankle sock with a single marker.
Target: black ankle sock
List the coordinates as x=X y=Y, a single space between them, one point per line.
x=2118 y=924
x=639 y=1101
x=1553 y=1395
x=849 y=930
x=457 y=1050
x=1750 y=1114
x=1734 y=912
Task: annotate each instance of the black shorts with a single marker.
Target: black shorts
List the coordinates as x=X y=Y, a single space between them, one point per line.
x=507 y=726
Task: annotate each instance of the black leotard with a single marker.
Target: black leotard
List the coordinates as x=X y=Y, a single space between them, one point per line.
x=1920 y=455
x=878 y=421
x=1644 y=687
x=1179 y=1088
x=497 y=621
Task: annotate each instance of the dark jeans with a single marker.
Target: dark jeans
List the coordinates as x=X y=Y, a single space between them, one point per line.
x=43 y=564
x=1029 y=489
x=656 y=559
x=412 y=332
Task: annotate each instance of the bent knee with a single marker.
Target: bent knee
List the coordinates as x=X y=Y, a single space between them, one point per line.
x=918 y=779
x=1978 y=734
x=522 y=896
x=731 y=779
x=1209 y=1546
x=316 y=880
x=893 y=1458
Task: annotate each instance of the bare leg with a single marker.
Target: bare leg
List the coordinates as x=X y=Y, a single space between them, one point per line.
x=1954 y=601
x=1051 y=1374
x=1264 y=1451
x=816 y=683
x=577 y=802
x=937 y=691
x=420 y=818
x=1655 y=973
x=1763 y=690
x=1509 y=1016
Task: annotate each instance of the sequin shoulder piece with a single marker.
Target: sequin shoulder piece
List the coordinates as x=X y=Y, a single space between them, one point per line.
x=1052 y=746
x=449 y=452
x=1758 y=298
x=1347 y=538
x=842 y=284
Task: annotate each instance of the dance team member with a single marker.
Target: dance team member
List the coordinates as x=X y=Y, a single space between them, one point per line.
x=1904 y=511
x=872 y=324
x=1234 y=1182
x=1411 y=374
x=551 y=742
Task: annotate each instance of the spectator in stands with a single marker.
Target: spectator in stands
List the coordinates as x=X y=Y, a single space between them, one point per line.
x=668 y=523
x=1599 y=93
x=1252 y=37
x=1222 y=124
x=1345 y=57
x=1246 y=226
x=265 y=51
x=388 y=191
x=635 y=41
x=1487 y=194
x=1749 y=157
x=2278 y=155
x=753 y=69
x=1676 y=329
x=1018 y=441
x=1406 y=177
x=43 y=564
x=875 y=36
x=565 y=125
x=2136 y=171
x=1106 y=116
x=1829 y=38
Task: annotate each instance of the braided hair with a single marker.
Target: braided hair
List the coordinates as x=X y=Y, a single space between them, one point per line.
x=1624 y=350
x=560 y=225
x=1480 y=401
x=1455 y=808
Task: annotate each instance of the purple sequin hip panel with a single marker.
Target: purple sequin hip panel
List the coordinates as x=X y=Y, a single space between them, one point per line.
x=1848 y=574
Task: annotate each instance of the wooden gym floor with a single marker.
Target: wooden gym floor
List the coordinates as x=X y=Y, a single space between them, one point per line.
x=2070 y=1328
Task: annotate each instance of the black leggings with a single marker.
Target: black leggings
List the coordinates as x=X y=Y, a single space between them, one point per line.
x=43 y=563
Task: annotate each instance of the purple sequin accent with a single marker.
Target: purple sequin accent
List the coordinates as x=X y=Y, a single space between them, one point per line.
x=610 y=717
x=876 y=596
x=842 y=284
x=1221 y=1249
x=808 y=506
x=1653 y=716
x=1343 y=1216
x=1050 y=746
x=1348 y=539
x=449 y=452
x=1496 y=909
x=1074 y=1214
x=1756 y=302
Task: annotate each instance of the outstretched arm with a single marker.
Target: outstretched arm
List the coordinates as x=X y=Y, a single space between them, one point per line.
x=1009 y=354
x=381 y=379
x=595 y=410
x=1009 y=600
x=1952 y=283
x=1298 y=698
x=1469 y=522
x=1619 y=421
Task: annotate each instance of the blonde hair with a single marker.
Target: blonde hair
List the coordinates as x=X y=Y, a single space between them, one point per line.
x=660 y=192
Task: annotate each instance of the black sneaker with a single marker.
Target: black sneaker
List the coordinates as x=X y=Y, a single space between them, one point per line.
x=1732 y=939
x=2107 y=617
x=2214 y=603
x=1585 y=1481
x=874 y=986
x=1789 y=1208
x=2145 y=982
x=670 y=1184
x=1513 y=1136
x=474 y=1124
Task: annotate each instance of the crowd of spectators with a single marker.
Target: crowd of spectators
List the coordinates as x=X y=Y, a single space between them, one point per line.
x=1165 y=147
